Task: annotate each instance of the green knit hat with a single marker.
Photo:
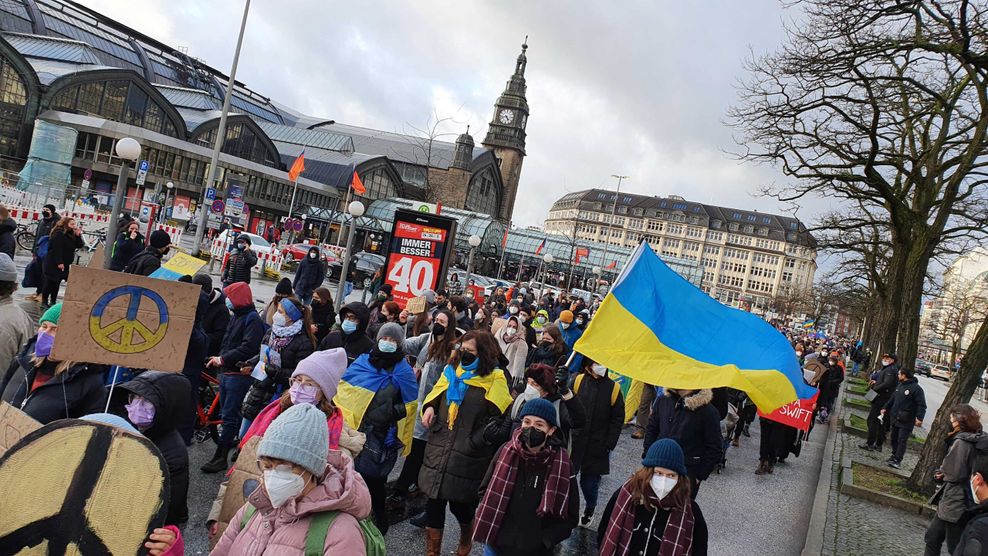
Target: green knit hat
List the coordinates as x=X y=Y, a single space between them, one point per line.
x=52 y=314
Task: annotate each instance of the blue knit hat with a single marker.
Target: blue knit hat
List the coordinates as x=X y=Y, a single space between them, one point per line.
x=298 y=435
x=540 y=408
x=665 y=453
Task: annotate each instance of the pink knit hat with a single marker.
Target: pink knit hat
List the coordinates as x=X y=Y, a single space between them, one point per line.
x=325 y=368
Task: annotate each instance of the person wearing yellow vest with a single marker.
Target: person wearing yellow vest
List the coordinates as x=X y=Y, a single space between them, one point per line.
x=462 y=414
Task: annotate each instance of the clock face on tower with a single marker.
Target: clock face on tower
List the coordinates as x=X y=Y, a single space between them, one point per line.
x=506 y=116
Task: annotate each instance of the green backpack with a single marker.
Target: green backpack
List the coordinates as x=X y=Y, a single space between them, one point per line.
x=315 y=538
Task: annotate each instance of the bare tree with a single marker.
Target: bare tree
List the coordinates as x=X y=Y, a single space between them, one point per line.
x=425 y=139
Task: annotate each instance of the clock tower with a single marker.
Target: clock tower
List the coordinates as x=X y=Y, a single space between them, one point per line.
x=506 y=133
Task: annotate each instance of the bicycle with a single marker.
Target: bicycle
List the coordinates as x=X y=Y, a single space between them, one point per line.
x=25 y=237
x=207 y=409
x=99 y=238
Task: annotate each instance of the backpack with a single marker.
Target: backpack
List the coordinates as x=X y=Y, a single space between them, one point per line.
x=615 y=392
x=42 y=251
x=315 y=537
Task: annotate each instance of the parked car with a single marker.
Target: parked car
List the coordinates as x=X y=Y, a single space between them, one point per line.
x=297 y=251
x=365 y=264
x=257 y=243
x=923 y=367
x=942 y=372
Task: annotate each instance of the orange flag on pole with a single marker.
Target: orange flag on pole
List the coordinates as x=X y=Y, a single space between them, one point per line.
x=358 y=185
x=297 y=167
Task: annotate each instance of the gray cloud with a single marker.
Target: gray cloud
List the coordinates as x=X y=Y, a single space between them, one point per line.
x=631 y=87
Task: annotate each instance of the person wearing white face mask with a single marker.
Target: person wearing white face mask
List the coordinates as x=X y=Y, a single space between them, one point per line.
x=307 y=491
x=377 y=394
x=974 y=539
x=652 y=513
x=593 y=443
x=512 y=341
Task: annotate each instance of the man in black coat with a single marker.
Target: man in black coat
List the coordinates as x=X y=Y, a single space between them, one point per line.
x=974 y=539
x=217 y=316
x=309 y=276
x=883 y=387
x=687 y=417
x=8 y=244
x=904 y=410
x=240 y=263
x=48 y=220
x=169 y=394
x=351 y=334
x=149 y=260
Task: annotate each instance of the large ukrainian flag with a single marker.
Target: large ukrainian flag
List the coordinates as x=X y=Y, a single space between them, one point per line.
x=656 y=327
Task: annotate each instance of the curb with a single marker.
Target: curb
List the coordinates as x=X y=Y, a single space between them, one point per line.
x=816 y=529
x=882 y=499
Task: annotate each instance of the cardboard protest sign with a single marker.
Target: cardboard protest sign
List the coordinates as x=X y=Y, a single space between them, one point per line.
x=797 y=414
x=76 y=487
x=179 y=265
x=415 y=305
x=234 y=496
x=497 y=324
x=127 y=320
x=96 y=261
x=14 y=425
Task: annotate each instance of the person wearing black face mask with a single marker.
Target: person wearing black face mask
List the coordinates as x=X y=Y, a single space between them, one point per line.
x=241 y=261
x=309 y=276
x=49 y=217
x=530 y=503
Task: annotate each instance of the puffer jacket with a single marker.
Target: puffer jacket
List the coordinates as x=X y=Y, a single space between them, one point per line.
x=243 y=336
x=238 y=267
x=310 y=274
x=170 y=394
x=692 y=422
x=592 y=444
x=261 y=391
x=145 y=262
x=8 y=244
x=907 y=404
x=956 y=469
x=282 y=531
x=355 y=344
x=75 y=392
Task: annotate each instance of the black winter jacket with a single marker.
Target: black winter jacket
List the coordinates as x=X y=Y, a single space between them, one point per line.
x=593 y=443
x=8 y=244
x=61 y=251
x=383 y=412
x=170 y=394
x=652 y=523
x=522 y=531
x=309 y=276
x=195 y=356
x=907 y=404
x=83 y=391
x=355 y=344
x=215 y=321
x=238 y=267
x=694 y=424
x=242 y=340
x=43 y=230
x=261 y=391
x=145 y=262
x=572 y=417
x=974 y=539
x=888 y=379
x=324 y=317
x=125 y=249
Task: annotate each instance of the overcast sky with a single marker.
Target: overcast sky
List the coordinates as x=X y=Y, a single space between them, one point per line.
x=632 y=87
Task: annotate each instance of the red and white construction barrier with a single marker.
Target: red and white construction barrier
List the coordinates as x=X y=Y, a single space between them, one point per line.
x=218 y=252
x=174 y=232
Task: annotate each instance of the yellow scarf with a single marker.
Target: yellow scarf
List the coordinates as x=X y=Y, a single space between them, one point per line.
x=494 y=385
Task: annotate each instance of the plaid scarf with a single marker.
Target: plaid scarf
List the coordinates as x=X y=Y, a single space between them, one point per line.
x=677 y=537
x=555 y=497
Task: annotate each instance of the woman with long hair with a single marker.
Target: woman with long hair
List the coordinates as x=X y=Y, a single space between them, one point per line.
x=652 y=513
x=462 y=414
x=551 y=349
x=954 y=494
x=432 y=349
x=323 y=312
x=289 y=341
x=65 y=238
x=53 y=389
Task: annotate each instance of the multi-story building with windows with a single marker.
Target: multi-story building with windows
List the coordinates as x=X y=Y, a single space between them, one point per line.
x=748 y=257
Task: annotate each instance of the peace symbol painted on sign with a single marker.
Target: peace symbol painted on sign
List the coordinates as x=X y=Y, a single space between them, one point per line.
x=134 y=335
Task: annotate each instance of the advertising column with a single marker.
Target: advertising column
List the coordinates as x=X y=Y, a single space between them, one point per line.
x=421 y=245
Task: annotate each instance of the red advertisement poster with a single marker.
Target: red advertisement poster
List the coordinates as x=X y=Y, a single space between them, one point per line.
x=415 y=260
x=797 y=414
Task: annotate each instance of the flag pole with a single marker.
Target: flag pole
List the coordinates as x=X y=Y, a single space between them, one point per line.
x=504 y=250
x=346 y=203
x=291 y=206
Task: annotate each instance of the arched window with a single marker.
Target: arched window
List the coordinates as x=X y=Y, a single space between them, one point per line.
x=378 y=184
x=119 y=100
x=13 y=100
x=483 y=195
x=242 y=141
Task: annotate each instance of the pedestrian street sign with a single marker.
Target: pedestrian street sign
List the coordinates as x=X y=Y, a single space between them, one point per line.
x=142 y=172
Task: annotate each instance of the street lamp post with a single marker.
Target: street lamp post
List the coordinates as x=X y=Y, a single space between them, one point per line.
x=596 y=274
x=617 y=193
x=220 y=133
x=129 y=150
x=356 y=210
x=304 y=218
x=474 y=241
x=168 y=193
x=547 y=259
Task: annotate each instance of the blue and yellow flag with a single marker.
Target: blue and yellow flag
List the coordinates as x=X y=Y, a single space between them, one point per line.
x=360 y=383
x=656 y=327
